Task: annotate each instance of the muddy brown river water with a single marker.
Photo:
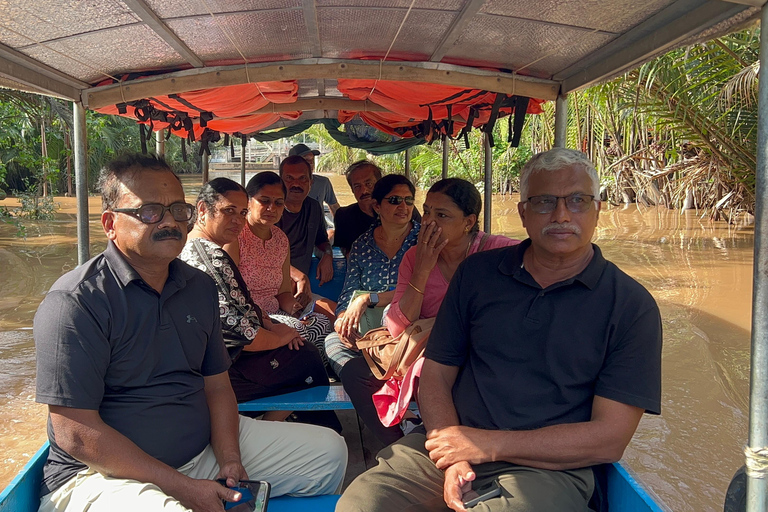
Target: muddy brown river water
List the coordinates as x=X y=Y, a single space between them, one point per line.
x=699 y=271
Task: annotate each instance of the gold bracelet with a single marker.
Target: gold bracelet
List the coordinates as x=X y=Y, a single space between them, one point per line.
x=411 y=285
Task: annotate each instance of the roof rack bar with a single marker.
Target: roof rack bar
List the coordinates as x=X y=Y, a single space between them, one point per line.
x=310 y=19
x=221 y=76
x=154 y=22
x=43 y=79
x=661 y=32
x=457 y=29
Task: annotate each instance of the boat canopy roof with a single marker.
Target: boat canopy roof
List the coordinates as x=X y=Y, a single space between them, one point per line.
x=410 y=68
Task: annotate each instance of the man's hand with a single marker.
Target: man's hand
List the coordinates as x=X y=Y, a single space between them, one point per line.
x=233 y=471
x=325 y=269
x=450 y=445
x=205 y=495
x=458 y=481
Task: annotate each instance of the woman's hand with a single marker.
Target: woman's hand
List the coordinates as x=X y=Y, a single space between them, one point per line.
x=353 y=314
x=288 y=336
x=288 y=303
x=428 y=248
x=303 y=293
x=346 y=330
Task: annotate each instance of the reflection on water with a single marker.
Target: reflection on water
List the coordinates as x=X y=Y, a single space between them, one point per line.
x=699 y=271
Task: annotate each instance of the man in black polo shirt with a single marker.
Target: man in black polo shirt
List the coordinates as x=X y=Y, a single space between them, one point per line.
x=543 y=358
x=304 y=225
x=133 y=368
x=353 y=220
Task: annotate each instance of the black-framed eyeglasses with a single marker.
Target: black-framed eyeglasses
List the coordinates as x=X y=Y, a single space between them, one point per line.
x=152 y=213
x=396 y=200
x=576 y=203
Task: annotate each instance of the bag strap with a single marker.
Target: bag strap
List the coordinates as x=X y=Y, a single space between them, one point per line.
x=485 y=238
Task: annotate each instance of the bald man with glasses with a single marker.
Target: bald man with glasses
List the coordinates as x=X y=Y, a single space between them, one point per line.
x=132 y=366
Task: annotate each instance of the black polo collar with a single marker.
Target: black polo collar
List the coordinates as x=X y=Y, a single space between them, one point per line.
x=512 y=265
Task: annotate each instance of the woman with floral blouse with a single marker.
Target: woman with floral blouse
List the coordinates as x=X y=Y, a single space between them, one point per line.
x=269 y=357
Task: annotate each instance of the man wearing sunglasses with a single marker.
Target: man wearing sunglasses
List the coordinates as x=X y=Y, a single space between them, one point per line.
x=542 y=360
x=133 y=368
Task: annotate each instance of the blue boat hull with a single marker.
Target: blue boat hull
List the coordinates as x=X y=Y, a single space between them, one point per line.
x=625 y=494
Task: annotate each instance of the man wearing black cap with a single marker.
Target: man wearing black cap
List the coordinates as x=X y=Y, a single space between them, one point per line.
x=322 y=190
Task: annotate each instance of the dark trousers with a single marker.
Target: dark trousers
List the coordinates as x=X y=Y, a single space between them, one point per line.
x=360 y=385
x=274 y=372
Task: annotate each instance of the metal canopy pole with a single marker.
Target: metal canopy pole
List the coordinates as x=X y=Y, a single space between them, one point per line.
x=81 y=184
x=205 y=158
x=408 y=163
x=561 y=120
x=757 y=485
x=160 y=143
x=242 y=160
x=488 y=190
x=445 y=156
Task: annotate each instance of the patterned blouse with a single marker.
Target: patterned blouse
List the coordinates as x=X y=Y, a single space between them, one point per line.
x=239 y=315
x=369 y=268
x=261 y=262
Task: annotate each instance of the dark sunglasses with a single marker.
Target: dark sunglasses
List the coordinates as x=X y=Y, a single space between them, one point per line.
x=396 y=200
x=152 y=213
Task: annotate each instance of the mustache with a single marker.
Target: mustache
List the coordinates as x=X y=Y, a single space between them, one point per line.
x=565 y=226
x=167 y=234
x=365 y=196
x=296 y=189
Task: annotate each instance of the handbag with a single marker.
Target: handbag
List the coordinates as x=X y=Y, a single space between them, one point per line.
x=390 y=356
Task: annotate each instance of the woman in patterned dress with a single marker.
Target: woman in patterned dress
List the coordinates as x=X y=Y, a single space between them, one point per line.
x=374 y=259
x=269 y=357
x=263 y=255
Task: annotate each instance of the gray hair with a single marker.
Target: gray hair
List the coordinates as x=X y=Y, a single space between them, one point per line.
x=554 y=160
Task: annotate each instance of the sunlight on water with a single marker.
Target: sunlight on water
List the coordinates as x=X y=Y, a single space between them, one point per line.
x=699 y=271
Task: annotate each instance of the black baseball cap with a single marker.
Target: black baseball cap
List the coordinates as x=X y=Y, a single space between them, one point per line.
x=301 y=150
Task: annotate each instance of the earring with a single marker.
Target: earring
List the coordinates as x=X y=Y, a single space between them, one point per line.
x=202 y=221
x=466 y=230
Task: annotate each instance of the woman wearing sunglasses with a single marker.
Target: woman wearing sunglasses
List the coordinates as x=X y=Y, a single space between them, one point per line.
x=269 y=358
x=449 y=233
x=374 y=259
x=263 y=254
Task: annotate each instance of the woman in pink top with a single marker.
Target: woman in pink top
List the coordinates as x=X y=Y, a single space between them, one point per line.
x=262 y=254
x=449 y=233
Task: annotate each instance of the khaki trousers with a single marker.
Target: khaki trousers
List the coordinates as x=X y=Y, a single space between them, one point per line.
x=295 y=458
x=405 y=479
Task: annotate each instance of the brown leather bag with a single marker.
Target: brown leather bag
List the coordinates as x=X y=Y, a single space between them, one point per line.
x=389 y=356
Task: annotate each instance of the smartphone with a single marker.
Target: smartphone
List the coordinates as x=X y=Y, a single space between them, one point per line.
x=486 y=492
x=254 y=496
x=308 y=311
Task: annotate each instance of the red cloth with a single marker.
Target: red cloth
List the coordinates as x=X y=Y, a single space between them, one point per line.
x=392 y=400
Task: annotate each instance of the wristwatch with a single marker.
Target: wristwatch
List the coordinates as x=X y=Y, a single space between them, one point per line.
x=373 y=300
